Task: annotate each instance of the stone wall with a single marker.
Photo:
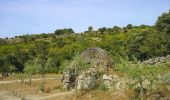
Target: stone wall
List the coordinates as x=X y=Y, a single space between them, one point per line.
x=157 y=60
x=88 y=78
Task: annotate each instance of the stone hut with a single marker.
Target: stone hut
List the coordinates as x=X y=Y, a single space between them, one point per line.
x=97 y=57
x=99 y=62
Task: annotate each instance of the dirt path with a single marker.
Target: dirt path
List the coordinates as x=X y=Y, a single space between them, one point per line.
x=12 y=81
x=56 y=96
x=6 y=95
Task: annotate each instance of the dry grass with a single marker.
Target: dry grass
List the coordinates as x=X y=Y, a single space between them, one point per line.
x=55 y=86
x=51 y=86
x=14 y=76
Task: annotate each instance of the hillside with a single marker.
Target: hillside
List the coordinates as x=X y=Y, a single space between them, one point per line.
x=135 y=54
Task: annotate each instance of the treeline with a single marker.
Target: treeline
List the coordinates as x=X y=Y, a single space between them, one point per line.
x=49 y=52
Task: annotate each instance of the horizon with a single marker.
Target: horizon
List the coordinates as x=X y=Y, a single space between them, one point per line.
x=19 y=17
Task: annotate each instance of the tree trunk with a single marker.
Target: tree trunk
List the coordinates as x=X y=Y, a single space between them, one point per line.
x=141 y=91
x=43 y=78
x=75 y=84
x=30 y=79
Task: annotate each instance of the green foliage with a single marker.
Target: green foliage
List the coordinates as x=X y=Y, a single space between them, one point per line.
x=51 y=66
x=76 y=64
x=5 y=66
x=51 y=50
x=64 y=31
x=30 y=67
x=90 y=29
x=21 y=77
x=150 y=72
x=129 y=26
x=103 y=87
x=102 y=30
x=79 y=64
x=41 y=87
x=163 y=22
x=166 y=78
x=64 y=65
x=141 y=72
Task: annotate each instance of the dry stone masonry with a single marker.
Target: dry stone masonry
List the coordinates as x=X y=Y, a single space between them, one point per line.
x=157 y=60
x=99 y=62
x=99 y=71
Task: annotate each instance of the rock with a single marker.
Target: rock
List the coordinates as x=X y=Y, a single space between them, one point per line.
x=168 y=57
x=156 y=60
x=108 y=81
x=80 y=82
x=114 y=81
x=85 y=82
x=87 y=79
x=121 y=84
x=68 y=80
x=146 y=83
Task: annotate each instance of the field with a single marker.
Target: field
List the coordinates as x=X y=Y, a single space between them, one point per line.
x=18 y=90
x=22 y=90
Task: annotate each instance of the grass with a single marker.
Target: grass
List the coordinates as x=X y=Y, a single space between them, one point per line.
x=50 y=85
x=15 y=76
x=123 y=70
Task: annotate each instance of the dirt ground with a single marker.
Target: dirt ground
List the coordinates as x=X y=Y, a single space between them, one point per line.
x=14 y=89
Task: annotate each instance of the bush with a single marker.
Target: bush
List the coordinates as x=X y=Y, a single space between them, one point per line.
x=103 y=87
x=41 y=87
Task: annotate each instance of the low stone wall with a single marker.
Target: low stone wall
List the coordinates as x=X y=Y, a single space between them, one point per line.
x=87 y=79
x=157 y=60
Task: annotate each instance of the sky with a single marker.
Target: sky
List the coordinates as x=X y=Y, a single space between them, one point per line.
x=18 y=17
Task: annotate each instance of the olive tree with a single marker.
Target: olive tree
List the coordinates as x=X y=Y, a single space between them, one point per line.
x=30 y=69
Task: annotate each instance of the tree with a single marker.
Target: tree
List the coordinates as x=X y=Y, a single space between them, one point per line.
x=129 y=26
x=51 y=65
x=163 y=23
x=116 y=29
x=90 y=29
x=42 y=58
x=102 y=30
x=5 y=67
x=59 y=42
x=64 y=31
x=30 y=69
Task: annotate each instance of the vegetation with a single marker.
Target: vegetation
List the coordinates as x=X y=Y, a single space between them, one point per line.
x=140 y=73
x=44 y=53
x=53 y=49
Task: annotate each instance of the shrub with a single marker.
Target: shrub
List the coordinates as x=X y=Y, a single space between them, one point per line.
x=41 y=87
x=103 y=87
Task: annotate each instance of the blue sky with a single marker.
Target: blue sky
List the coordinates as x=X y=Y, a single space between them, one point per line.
x=43 y=16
